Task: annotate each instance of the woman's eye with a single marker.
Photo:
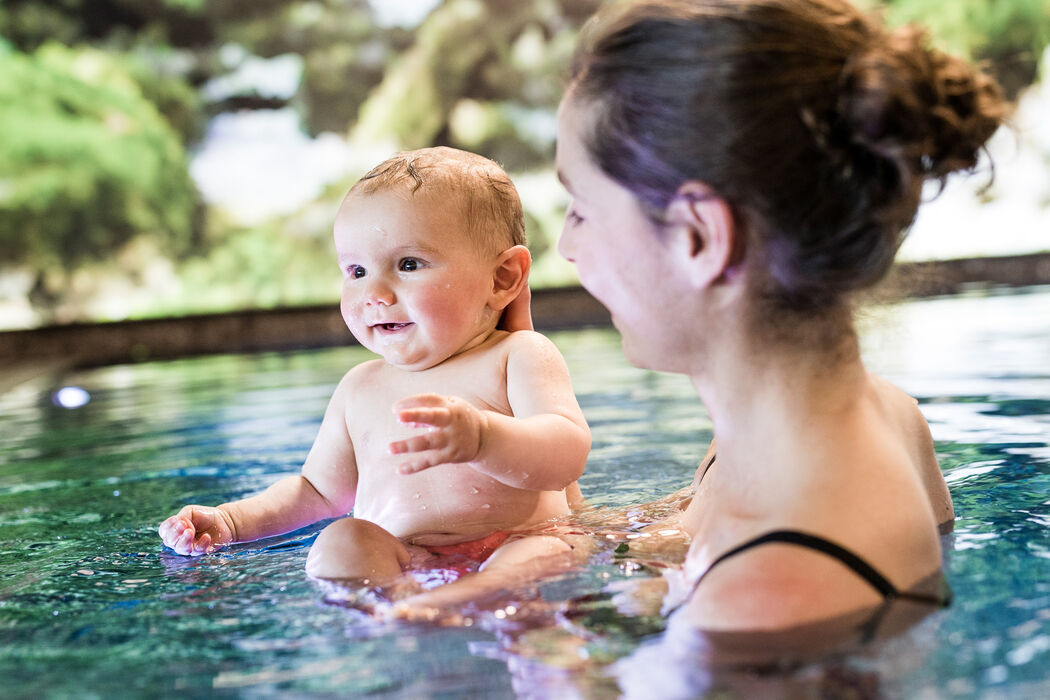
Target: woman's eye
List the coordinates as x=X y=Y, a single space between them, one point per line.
x=355 y=271
x=573 y=218
x=408 y=265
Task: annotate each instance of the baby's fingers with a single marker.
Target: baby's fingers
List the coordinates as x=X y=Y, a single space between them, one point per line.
x=420 y=401
x=424 y=417
x=419 y=443
x=419 y=464
x=203 y=545
x=183 y=543
x=171 y=529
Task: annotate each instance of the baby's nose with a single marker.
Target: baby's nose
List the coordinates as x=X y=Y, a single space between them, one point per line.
x=379 y=293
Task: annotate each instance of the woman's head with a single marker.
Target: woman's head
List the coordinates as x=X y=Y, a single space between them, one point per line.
x=814 y=123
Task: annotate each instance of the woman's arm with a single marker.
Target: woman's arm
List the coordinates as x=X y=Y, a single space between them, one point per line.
x=518 y=314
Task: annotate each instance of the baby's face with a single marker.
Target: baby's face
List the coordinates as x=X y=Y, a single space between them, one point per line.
x=416 y=290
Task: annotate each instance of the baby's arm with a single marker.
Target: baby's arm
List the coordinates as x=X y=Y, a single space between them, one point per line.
x=325 y=489
x=542 y=447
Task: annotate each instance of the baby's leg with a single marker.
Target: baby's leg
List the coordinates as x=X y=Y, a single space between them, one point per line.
x=512 y=564
x=356 y=549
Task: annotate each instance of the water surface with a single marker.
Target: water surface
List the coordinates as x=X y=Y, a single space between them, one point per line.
x=92 y=605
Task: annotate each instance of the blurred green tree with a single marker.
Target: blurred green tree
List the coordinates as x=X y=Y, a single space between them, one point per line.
x=1010 y=35
x=100 y=98
x=86 y=165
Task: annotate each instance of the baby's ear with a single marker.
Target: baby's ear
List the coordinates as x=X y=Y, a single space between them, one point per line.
x=510 y=275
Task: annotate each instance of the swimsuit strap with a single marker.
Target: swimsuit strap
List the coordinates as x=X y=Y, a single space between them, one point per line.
x=802 y=539
x=860 y=567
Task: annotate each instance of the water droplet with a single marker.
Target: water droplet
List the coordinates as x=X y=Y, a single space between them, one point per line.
x=423 y=507
x=116 y=493
x=417 y=496
x=473 y=490
x=485 y=506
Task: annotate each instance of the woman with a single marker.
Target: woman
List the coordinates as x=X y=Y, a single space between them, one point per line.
x=740 y=169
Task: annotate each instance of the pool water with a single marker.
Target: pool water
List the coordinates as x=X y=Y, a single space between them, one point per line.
x=91 y=605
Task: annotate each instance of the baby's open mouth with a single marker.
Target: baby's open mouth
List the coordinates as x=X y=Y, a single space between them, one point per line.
x=391 y=326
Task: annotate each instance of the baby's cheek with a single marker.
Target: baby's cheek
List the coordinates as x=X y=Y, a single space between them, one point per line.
x=444 y=308
x=353 y=323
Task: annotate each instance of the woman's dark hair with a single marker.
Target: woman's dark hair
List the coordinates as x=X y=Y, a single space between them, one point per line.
x=814 y=122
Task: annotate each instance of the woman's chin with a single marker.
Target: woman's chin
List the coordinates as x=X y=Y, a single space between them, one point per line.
x=645 y=355
x=635 y=356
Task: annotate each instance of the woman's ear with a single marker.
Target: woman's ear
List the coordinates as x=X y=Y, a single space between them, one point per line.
x=510 y=275
x=708 y=238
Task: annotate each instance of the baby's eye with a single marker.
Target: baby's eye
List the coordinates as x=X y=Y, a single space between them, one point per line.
x=409 y=265
x=355 y=271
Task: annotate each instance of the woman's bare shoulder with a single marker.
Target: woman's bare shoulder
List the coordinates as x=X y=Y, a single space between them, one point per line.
x=776 y=586
x=903 y=410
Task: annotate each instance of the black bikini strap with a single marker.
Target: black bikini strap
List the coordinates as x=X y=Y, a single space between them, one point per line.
x=860 y=567
x=707 y=468
x=851 y=560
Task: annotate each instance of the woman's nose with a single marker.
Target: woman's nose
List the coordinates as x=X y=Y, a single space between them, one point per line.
x=566 y=247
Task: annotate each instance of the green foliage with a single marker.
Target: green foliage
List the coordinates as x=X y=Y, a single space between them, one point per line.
x=260 y=267
x=86 y=162
x=99 y=99
x=1010 y=34
x=497 y=63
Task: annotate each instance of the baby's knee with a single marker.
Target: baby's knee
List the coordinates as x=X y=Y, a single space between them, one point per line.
x=354 y=548
x=350 y=530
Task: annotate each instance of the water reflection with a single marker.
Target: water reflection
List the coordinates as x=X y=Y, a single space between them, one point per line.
x=248 y=621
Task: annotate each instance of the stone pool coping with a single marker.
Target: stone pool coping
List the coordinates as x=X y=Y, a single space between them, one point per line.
x=27 y=354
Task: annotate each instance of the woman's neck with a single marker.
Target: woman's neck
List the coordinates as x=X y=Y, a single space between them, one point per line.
x=764 y=399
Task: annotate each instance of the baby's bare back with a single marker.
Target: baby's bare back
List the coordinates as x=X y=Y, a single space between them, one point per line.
x=450 y=502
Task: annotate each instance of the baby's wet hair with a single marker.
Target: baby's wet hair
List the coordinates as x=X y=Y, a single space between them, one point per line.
x=490 y=202
x=816 y=123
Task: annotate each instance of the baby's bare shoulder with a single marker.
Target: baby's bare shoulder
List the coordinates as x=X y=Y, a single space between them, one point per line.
x=530 y=342
x=360 y=374
x=503 y=347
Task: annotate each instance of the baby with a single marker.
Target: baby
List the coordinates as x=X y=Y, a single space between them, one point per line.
x=463 y=440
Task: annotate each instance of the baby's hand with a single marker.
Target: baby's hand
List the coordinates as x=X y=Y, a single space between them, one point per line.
x=196 y=530
x=453 y=431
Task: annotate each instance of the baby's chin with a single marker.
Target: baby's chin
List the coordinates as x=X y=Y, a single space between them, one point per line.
x=419 y=362
x=421 y=366
x=427 y=362
x=424 y=358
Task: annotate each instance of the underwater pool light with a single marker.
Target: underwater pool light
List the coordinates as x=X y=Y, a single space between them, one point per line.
x=71 y=397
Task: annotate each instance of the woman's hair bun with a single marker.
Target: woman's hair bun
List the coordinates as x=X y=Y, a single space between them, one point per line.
x=926 y=111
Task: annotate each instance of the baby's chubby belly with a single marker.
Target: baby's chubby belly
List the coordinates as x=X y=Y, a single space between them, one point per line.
x=451 y=503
